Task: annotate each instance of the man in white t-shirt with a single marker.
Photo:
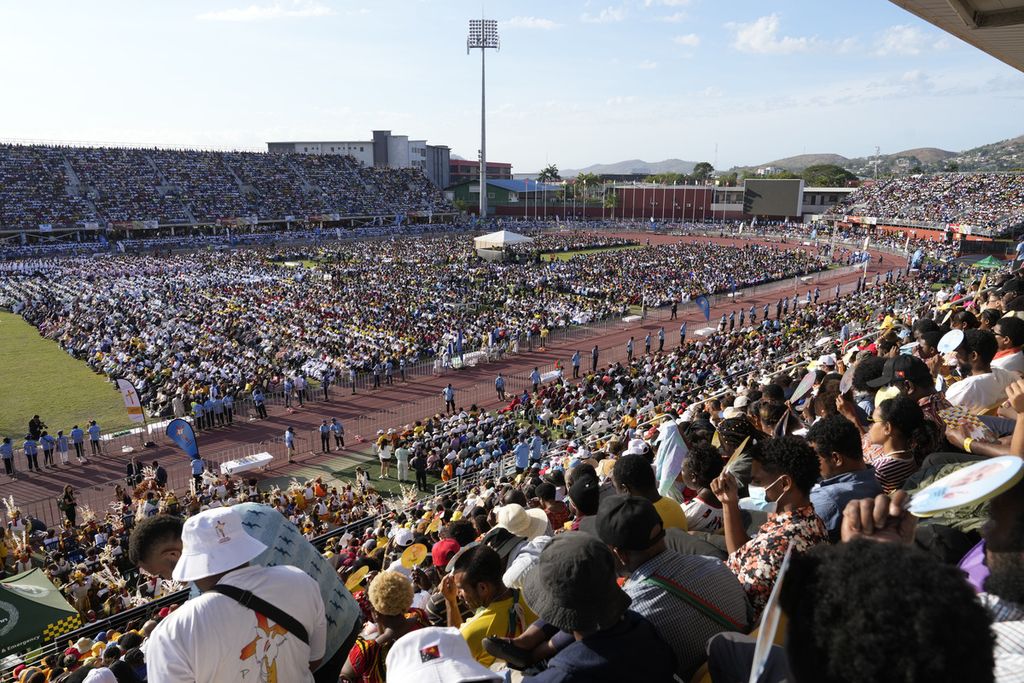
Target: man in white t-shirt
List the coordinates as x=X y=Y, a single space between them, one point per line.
x=985 y=387
x=213 y=637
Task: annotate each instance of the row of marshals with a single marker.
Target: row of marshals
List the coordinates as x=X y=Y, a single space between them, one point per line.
x=265 y=604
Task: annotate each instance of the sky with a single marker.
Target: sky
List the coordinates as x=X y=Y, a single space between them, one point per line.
x=575 y=82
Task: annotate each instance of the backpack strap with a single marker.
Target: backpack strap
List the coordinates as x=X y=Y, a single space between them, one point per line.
x=695 y=601
x=260 y=606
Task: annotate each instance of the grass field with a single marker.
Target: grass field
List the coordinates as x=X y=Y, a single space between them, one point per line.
x=566 y=255
x=40 y=378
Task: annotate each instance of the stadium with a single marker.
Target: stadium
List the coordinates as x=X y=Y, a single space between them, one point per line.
x=345 y=411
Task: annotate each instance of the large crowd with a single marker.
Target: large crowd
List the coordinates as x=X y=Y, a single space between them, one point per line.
x=628 y=526
x=991 y=203
x=71 y=186
x=204 y=324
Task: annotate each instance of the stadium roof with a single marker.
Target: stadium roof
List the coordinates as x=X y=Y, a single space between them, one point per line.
x=524 y=185
x=993 y=26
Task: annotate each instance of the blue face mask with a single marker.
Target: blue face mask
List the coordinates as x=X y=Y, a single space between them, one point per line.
x=769 y=505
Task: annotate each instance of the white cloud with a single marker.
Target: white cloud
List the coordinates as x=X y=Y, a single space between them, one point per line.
x=673 y=18
x=762 y=37
x=530 y=23
x=647 y=64
x=620 y=100
x=667 y=3
x=606 y=16
x=688 y=40
x=293 y=9
x=904 y=39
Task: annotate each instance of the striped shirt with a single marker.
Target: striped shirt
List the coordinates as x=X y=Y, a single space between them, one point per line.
x=666 y=590
x=1008 y=627
x=892 y=472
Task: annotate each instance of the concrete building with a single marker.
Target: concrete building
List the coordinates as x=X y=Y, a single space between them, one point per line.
x=461 y=170
x=384 y=150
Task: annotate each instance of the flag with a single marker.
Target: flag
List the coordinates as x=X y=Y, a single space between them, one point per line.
x=705 y=306
x=732 y=285
x=180 y=432
x=458 y=344
x=814 y=234
x=672 y=451
x=131 y=400
x=916 y=259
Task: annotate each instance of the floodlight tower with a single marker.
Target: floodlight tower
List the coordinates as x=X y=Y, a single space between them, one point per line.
x=483 y=35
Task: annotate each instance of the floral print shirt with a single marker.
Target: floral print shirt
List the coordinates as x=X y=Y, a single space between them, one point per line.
x=757 y=562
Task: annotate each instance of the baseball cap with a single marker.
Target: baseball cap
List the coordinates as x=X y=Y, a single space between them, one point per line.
x=100 y=675
x=213 y=542
x=403 y=537
x=583 y=487
x=435 y=655
x=900 y=368
x=1012 y=286
x=443 y=551
x=629 y=523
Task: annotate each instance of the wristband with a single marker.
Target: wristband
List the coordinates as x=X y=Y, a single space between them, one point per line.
x=967 y=444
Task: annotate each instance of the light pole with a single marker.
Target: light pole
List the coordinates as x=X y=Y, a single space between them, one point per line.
x=483 y=34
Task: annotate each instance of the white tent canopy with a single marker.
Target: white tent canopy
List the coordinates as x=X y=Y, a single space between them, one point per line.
x=499 y=240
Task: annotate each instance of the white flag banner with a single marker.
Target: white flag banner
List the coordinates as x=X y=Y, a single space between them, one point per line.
x=131 y=400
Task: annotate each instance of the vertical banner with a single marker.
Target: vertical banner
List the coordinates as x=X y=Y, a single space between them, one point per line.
x=705 y=306
x=180 y=432
x=131 y=400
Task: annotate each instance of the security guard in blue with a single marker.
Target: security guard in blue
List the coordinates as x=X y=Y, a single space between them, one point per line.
x=31 y=453
x=682 y=333
x=78 y=439
x=499 y=386
x=325 y=436
x=7 y=453
x=576 y=364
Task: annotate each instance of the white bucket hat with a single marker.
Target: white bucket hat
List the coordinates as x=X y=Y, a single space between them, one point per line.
x=435 y=655
x=214 y=542
x=527 y=523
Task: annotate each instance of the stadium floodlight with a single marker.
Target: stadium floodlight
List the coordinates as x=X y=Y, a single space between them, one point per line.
x=483 y=35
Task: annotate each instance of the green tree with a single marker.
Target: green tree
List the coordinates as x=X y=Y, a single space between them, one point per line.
x=827 y=175
x=589 y=182
x=611 y=200
x=728 y=179
x=667 y=178
x=952 y=167
x=548 y=174
x=702 y=171
x=460 y=205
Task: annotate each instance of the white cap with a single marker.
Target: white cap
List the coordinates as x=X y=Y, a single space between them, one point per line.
x=636 y=447
x=403 y=537
x=213 y=542
x=435 y=655
x=100 y=675
x=528 y=523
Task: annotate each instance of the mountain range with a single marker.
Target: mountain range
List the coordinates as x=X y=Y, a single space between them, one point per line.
x=1004 y=155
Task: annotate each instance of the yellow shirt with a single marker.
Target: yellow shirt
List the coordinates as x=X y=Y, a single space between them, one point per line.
x=492 y=620
x=671 y=513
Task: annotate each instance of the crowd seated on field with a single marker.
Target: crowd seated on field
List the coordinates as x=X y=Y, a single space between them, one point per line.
x=175 y=325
